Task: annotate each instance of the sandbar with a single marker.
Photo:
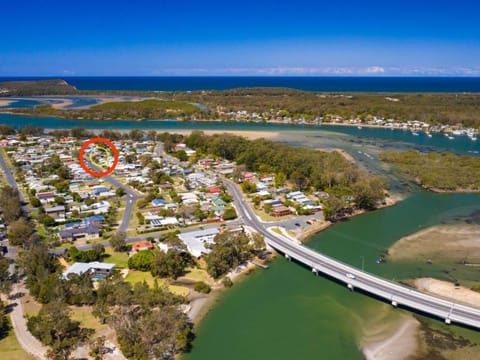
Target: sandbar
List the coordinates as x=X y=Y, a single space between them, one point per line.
x=395 y=343
x=448 y=290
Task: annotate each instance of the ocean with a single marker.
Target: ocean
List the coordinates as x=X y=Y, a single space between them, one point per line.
x=319 y=83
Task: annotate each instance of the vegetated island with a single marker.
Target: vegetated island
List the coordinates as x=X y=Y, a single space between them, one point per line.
x=425 y=111
x=123 y=110
x=437 y=172
x=36 y=88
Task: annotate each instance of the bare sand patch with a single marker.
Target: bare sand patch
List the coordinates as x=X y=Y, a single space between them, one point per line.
x=387 y=342
x=62 y=104
x=443 y=242
x=6 y=102
x=109 y=99
x=251 y=135
x=342 y=152
x=448 y=290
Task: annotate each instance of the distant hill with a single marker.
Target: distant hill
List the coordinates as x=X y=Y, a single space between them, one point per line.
x=36 y=87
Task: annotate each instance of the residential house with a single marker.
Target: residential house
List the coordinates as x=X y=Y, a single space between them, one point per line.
x=142 y=245
x=197 y=242
x=56 y=212
x=87 y=231
x=96 y=270
x=280 y=211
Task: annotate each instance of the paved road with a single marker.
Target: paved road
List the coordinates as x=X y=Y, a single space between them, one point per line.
x=19 y=324
x=395 y=293
x=26 y=340
x=131 y=197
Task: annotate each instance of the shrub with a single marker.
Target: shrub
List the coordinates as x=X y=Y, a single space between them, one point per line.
x=201 y=287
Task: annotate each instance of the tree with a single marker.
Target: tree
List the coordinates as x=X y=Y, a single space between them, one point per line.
x=249 y=187
x=94 y=254
x=170 y=264
x=227 y=282
x=142 y=260
x=19 y=232
x=54 y=327
x=10 y=204
x=229 y=214
x=119 y=192
x=141 y=218
x=332 y=207
x=5 y=278
x=97 y=348
x=4 y=324
x=181 y=155
x=60 y=200
x=202 y=287
x=229 y=251
x=118 y=241
x=258 y=241
x=152 y=334
x=280 y=179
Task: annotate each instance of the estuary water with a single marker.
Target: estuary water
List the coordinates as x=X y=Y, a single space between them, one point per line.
x=307 y=83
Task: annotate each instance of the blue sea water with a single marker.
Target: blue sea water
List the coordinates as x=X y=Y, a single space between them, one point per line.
x=319 y=83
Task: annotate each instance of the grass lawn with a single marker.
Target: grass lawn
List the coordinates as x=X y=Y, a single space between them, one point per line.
x=87 y=320
x=265 y=217
x=10 y=348
x=197 y=275
x=135 y=276
x=41 y=230
x=119 y=259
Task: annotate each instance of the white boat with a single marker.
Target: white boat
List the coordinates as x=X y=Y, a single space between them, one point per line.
x=359 y=127
x=474 y=138
x=451 y=138
x=429 y=135
x=414 y=133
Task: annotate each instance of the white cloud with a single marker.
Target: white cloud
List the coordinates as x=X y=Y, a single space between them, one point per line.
x=375 y=70
x=319 y=71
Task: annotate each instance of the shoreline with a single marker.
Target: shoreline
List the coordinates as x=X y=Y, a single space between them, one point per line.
x=107 y=99
x=202 y=304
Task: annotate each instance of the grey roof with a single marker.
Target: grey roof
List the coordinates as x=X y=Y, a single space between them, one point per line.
x=90 y=229
x=55 y=209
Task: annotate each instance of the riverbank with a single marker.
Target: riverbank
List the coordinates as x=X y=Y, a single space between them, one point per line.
x=250 y=135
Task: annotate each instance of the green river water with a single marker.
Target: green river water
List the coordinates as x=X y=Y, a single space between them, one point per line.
x=287 y=313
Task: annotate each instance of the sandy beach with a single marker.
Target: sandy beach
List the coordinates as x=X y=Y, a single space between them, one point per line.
x=448 y=290
x=63 y=104
x=393 y=343
x=251 y=135
x=6 y=102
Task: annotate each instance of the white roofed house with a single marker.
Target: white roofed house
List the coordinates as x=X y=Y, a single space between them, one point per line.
x=96 y=270
x=197 y=242
x=189 y=198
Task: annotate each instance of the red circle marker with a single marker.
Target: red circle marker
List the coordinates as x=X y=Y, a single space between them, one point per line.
x=110 y=145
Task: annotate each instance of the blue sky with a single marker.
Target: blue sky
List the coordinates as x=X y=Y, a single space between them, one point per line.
x=263 y=37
